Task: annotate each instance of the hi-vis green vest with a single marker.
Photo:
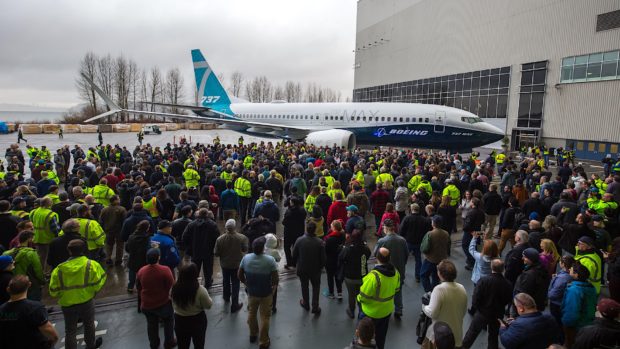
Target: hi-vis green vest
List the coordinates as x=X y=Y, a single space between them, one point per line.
x=21 y=214
x=243 y=187
x=151 y=207
x=53 y=176
x=500 y=158
x=377 y=292
x=191 y=177
x=414 y=182
x=92 y=232
x=426 y=186
x=247 y=162
x=102 y=194
x=54 y=197
x=227 y=176
x=76 y=281
x=41 y=218
x=453 y=192
x=616 y=168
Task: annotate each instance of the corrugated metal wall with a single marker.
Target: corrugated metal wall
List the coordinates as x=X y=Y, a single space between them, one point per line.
x=433 y=38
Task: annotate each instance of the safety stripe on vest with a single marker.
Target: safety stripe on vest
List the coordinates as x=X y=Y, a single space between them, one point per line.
x=377 y=291
x=591 y=279
x=86 y=284
x=45 y=221
x=87 y=232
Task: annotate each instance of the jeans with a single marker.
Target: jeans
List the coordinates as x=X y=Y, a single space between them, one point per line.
x=288 y=245
x=153 y=316
x=381 y=328
x=85 y=312
x=331 y=279
x=353 y=289
x=315 y=280
x=415 y=251
x=429 y=276
x=465 y=245
x=131 y=279
x=478 y=323
x=229 y=277
x=260 y=305
x=398 y=298
x=191 y=329
x=207 y=265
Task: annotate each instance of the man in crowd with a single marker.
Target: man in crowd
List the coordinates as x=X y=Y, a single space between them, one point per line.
x=532 y=329
x=199 y=241
x=230 y=248
x=397 y=245
x=309 y=252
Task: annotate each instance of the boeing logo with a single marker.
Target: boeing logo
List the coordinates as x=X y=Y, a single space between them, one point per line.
x=381 y=132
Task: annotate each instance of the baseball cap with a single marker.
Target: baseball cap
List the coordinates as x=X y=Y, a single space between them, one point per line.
x=531 y=254
x=352 y=208
x=164 y=224
x=609 y=308
x=586 y=240
x=5 y=261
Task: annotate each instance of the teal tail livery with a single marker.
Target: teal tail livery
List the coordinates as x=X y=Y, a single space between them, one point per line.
x=210 y=91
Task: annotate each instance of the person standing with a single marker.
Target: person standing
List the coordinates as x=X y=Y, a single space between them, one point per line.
x=189 y=301
x=472 y=223
x=413 y=228
x=162 y=240
x=333 y=245
x=75 y=283
x=154 y=282
x=137 y=245
x=28 y=326
x=376 y=297
x=397 y=245
x=492 y=204
x=20 y=136
x=353 y=260
x=436 y=247
x=448 y=303
x=112 y=218
x=27 y=263
x=294 y=224
x=6 y=274
x=309 y=252
x=199 y=241
x=491 y=296
x=259 y=272
x=579 y=303
x=243 y=188
x=46 y=228
x=605 y=331
x=230 y=248
x=534 y=280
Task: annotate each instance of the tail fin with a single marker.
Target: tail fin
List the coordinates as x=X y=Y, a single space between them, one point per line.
x=210 y=91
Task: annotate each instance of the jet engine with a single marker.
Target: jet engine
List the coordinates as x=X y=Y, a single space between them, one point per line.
x=328 y=138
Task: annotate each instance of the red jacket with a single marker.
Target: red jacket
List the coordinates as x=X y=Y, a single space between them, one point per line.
x=389 y=215
x=337 y=210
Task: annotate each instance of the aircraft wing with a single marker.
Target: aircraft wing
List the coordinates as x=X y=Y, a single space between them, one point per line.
x=180 y=106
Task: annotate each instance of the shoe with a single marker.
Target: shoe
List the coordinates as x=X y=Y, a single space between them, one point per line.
x=398 y=315
x=469 y=267
x=417 y=280
x=350 y=314
x=253 y=339
x=331 y=296
x=471 y=311
x=98 y=342
x=303 y=305
x=130 y=290
x=316 y=311
x=339 y=296
x=171 y=344
x=274 y=310
x=226 y=300
x=264 y=346
x=235 y=308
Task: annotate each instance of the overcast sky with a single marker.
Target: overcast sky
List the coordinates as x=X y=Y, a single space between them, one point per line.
x=42 y=41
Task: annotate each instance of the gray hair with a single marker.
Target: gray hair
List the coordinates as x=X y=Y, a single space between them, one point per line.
x=71 y=226
x=525 y=300
x=523 y=235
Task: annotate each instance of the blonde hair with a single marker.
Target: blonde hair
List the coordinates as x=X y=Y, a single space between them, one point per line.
x=548 y=247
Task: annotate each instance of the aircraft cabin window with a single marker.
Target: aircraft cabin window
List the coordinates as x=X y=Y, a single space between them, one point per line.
x=389 y=119
x=401 y=119
x=426 y=120
x=383 y=118
x=408 y=119
x=364 y=118
x=419 y=119
x=341 y=118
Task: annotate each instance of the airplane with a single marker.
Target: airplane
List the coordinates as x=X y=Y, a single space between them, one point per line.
x=406 y=125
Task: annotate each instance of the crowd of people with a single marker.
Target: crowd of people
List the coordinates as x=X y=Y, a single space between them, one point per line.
x=164 y=214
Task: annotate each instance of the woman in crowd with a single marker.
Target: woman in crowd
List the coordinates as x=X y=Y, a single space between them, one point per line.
x=136 y=246
x=333 y=245
x=448 y=214
x=353 y=260
x=189 y=300
x=549 y=256
x=389 y=213
x=317 y=218
x=557 y=287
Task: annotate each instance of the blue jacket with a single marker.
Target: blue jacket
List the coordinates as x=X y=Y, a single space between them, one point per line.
x=530 y=331
x=269 y=210
x=229 y=200
x=558 y=286
x=579 y=304
x=168 y=249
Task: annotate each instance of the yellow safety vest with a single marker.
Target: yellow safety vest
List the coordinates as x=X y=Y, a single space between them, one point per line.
x=309 y=204
x=151 y=207
x=102 y=194
x=377 y=292
x=53 y=176
x=500 y=158
x=227 y=176
x=329 y=180
x=414 y=182
x=332 y=193
x=453 y=192
x=92 y=232
x=247 y=162
x=54 y=197
x=191 y=177
x=41 y=218
x=243 y=187
x=76 y=281
x=359 y=176
x=426 y=186
x=592 y=262
x=20 y=214
x=385 y=178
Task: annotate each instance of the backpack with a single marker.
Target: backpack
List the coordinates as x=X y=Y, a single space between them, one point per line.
x=520 y=217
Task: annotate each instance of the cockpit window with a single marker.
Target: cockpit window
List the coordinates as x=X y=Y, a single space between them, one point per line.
x=471 y=120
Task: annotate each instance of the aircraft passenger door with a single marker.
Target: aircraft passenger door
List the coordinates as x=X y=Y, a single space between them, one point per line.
x=440 y=122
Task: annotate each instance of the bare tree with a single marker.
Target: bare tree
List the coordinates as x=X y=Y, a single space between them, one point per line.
x=121 y=84
x=134 y=78
x=88 y=67
x=144 y=94
x=236 y=82
x=154 y=86
x=174 y=88
x=278 y=93
x=105 y=76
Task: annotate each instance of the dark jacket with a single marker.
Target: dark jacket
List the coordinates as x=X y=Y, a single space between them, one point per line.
x=199 y=238
x=530 y=331
x=309 y=252
x=572 y=233
x=354 y=258
x=130 y=223
x=603 y=333
x=257 y=227
x=178 y=227
x=8 y=222
x=534 y=280
x=533 y=205
x=294 y=222
x=58 y=249
x=333 y=246
x=474 y=220
x=5 y=278
x=269 y=210
x=514 y=262
x=491 y=296
x=111 y=219
x=136 y=246
x=414 y=227
x=61 y=209
x=492 y=203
